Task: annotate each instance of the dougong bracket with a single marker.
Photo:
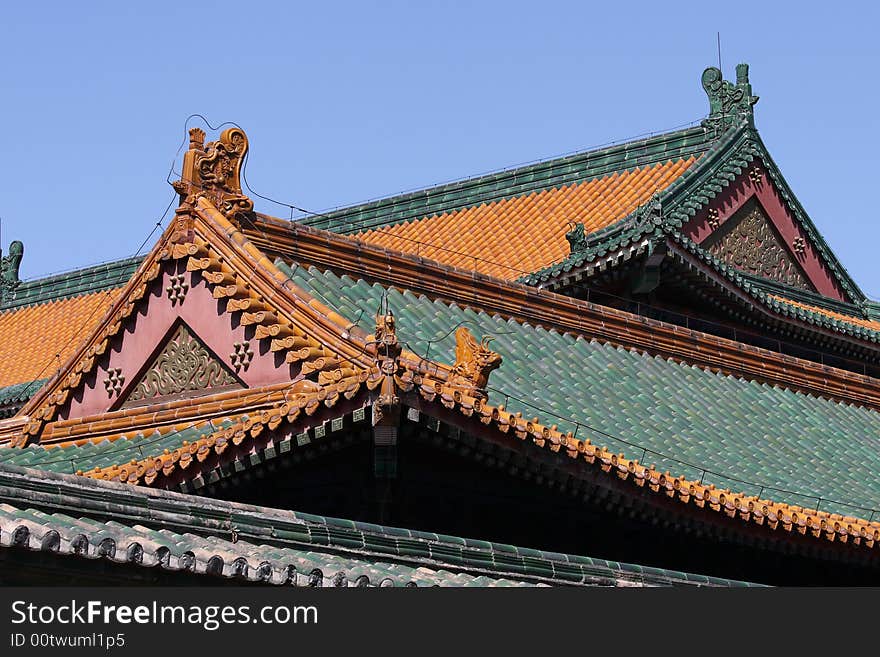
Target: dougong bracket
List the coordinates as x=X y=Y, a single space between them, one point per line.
x=215 y=170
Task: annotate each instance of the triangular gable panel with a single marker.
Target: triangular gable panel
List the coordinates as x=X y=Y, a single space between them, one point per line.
x=259 y=330
x=178 y=305
x=750 y=243
x=749 y=226
x=184 y=367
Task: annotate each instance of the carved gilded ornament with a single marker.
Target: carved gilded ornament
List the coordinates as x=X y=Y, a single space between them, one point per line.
x=241 y=355
x=214 y=169
x=184 y=365
x=386 y=408
x=750 y=243
x=177 y=288
x=474 y=361
x=712 y=218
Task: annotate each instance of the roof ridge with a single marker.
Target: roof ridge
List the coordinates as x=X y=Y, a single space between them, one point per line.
x=76 y=282
x=399 y=543
x=516 y=181
x=806 y=296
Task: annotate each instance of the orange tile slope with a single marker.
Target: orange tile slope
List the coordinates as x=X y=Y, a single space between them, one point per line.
x=849 y=319
x=521 y=235
x=33 y=335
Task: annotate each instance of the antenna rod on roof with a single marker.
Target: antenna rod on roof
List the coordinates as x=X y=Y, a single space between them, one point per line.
x=718 y=34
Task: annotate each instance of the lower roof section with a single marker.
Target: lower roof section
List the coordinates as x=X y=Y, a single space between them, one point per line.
x=760 y=439
x=76 y=518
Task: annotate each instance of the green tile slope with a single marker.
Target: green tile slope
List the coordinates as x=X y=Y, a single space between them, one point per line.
x=12 y=397
x=768 y=436
x=68 y=460
x=281 y=564
x=514 y=182
x=156 y=528
x=19 y=392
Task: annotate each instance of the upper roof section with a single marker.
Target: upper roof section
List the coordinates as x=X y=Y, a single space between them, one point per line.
x=66 y=285
x=516 y=236
x=555 y=174
x=535 y=223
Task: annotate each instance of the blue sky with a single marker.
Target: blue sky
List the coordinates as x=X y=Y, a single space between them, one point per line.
x=344 y=102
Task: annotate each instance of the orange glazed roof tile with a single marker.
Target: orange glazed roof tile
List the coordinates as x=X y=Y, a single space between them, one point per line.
x=37 y=340
x=515 y=236
x=42 y=321
x=840 y=317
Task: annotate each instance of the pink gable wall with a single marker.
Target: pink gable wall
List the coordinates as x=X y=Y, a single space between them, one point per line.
x=145 y=332
x=740 y=191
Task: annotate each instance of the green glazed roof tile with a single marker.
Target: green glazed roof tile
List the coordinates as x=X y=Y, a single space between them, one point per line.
x=70 y=284
x=179 y=539
x=751 y=437
x=86 y=457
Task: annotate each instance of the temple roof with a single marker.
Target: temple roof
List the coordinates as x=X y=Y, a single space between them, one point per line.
x=566 y=219
x=550 y=177
x=318 y=332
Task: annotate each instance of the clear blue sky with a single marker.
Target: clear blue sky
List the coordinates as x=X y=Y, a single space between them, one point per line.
x=345 y=102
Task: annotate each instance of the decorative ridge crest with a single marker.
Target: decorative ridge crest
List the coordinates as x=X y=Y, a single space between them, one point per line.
x=728 y=103
x=214 y=169
x=9 y=265
x=386 y=408
x=474 y=361
x=577 y=237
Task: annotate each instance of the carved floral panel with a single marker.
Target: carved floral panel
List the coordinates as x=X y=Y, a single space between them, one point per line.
x=749 y=242
x=184 y=365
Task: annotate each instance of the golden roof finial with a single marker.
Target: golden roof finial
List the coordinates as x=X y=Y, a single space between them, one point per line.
x=215 y=170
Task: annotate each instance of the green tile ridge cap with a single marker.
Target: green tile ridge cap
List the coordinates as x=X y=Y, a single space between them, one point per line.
x=96 y=278
x=858 y=311
x=764 y=297
x=838 y=269
x=20 y=392
x=53 y=492
x=517 y=181
x=872 y=310
x=14 y=396
x=683 y=202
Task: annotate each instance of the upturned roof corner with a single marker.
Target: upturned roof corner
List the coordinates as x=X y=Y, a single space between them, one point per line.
x=213 y=170
x=729 y=104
